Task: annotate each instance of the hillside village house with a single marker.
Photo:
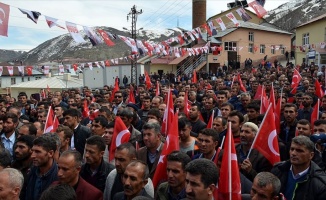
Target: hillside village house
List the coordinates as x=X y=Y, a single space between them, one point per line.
x=252 y=39
x=310 y=39
x=6 y=81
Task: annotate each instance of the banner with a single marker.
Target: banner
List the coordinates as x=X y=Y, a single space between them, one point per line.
x=72 y=29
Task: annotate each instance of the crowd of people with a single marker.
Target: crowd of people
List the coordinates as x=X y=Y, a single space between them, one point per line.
x=73 y=161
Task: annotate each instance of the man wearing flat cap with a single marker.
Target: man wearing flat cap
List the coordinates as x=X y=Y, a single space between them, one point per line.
x=256 y=162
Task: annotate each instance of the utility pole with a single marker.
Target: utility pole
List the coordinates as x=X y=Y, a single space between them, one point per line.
x=133 y=14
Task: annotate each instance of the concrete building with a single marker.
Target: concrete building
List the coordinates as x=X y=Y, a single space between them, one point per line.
x=310 y=42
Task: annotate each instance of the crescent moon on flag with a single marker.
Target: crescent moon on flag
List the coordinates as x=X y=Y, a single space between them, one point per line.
x=4 y=14
x=295 y=76
x=271 y=137
x=120 y=136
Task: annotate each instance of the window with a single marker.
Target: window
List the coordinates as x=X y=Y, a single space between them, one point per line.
x=13 y=81
x=251 y=48
x=323 y=59
x=28 y=79
x=305 y=39
x=272 y=49
x=37 y=78
x=230 y=46
x=23 y=80
x=251 y=36
x=262 y=48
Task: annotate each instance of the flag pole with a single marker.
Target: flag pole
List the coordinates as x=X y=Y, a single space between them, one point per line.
x=269 y=107
x=229 y=162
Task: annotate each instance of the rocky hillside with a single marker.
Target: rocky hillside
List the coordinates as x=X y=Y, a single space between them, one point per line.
x=9 y=55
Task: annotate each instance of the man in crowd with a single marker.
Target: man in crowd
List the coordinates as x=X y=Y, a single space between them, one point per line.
x=124 y=154
x=151 y=152
x=69 y=166
x=44 y=171
x=95 y=170
x=300 y=177
x=81 y=133
x=134 y=180
x=256 y=162
x=9 y=133
x=11 y=184
x=186 y=142
x=174 y=188
x=236 y=118
x=98 y=126
x=265 y=186
x=207 y=140
x=196 y=123
x=65 y=134
x=27 y=129
x=201 y=179
x=23 y=151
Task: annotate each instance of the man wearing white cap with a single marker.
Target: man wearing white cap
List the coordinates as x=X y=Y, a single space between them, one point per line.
x=256 y=162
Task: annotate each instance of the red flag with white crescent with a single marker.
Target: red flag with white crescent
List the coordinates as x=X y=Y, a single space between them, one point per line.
x=49 y=121
x=120 y=135
x=266 y=141
x=4 y=19
x=171 y=144
x=229 y=186
x=106 y=38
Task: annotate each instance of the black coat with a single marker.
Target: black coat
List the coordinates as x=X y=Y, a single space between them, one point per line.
x=312 y=188
x=81 y=133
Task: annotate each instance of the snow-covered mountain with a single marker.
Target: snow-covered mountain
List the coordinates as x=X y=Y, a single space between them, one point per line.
x=289 y=15
x=64 y=48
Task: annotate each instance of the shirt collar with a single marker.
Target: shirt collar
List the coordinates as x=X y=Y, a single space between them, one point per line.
x=301 y=174
x=11 y=138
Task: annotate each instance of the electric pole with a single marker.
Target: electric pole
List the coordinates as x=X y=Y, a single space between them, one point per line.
x=133 y=14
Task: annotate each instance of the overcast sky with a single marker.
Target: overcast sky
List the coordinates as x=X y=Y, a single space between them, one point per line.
x=24 y=34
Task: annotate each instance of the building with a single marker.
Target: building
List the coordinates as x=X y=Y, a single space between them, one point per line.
x=6 y=81
x=310 y=42
x=57 y=83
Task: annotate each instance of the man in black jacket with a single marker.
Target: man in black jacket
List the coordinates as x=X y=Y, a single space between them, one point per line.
x=81 y=133
x=95 y=170
x=300 y=177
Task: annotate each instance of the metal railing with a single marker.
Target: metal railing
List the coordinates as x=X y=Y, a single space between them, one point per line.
x=190 y=65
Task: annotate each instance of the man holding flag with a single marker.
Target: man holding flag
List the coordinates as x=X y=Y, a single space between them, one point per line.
x=255 y=162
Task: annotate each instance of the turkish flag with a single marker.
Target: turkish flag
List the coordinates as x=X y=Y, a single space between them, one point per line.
x=295 y=81
x=266 y=141
x=205 y=26
x=93 y=115
x=171 y=144
x=263 y=102
x=85 y=109
x=107 y=63
x=168 y=115
x=29 y=70
x=187 y=105
x=319 y=90
x=49 y=121
x=157 y=92
x=242 y=87
x=131 y=95
x=115 y=89
x=75 y=66
x=120 y=135
x=1 y=70
x=10 y=70
x=315 y=114
x=229 y=182
x=4 y=19
x=211 y=119
x=106 y=38
x=147 y=80
x=194 y=77
x=260 y=10
x=181 y=41
x=43 y=95
x=258 y=92
x=55 y=123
